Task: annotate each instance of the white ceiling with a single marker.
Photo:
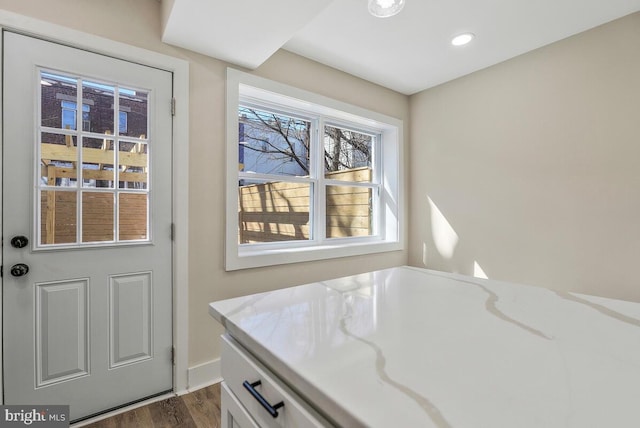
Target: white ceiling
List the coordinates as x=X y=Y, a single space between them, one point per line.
x=407 y=53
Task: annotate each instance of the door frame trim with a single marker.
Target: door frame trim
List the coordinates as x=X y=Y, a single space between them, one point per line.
x=180 y=156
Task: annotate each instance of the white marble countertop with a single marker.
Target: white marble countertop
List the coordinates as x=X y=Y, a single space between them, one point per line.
x=408 y=347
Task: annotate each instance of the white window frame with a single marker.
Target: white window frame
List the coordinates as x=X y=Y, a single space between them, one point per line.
x=247 y=88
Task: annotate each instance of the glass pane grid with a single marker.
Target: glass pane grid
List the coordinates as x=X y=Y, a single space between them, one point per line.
x=78 y=147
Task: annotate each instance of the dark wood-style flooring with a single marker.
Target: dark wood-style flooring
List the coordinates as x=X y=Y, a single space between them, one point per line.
x=198 y=409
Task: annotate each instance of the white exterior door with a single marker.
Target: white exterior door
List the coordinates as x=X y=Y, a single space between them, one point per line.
x=87 y=263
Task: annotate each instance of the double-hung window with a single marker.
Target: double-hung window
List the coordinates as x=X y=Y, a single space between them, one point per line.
x=308 y=177
x=69 y=115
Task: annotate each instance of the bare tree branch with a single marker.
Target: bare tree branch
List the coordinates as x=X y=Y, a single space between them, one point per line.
x=282 y=139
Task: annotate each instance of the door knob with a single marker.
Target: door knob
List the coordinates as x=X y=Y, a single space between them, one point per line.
x=19 y=269
x=19 y=241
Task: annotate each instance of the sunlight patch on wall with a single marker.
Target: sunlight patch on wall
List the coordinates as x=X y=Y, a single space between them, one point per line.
x=478 y=272
x=424 y=254
x=444 y=237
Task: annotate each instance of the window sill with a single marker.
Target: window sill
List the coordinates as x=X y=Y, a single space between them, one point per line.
x=251 y=258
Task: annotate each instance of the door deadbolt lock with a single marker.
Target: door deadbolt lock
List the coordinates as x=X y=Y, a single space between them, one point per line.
x=19 y=269
x=19 y=241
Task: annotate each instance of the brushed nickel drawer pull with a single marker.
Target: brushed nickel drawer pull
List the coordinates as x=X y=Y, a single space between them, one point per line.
x=251 y=387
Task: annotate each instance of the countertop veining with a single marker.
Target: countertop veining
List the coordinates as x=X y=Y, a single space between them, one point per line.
x=412 y=347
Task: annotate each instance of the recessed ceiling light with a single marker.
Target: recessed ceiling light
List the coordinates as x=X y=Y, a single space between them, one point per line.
x=385 y=8
x=462 y=39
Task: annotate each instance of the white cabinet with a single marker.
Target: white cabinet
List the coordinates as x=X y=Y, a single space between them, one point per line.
x=253 y=396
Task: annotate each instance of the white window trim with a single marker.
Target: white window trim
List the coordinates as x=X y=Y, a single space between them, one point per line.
x=243 y=86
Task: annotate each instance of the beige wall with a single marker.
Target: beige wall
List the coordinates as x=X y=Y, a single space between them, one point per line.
x=138 y=23
x=534 y=166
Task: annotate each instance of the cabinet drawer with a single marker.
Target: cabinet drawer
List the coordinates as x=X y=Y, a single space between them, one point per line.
x=234 y=415
x=239 y=367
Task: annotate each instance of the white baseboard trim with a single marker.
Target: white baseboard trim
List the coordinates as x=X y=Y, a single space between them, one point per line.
x=204 y=374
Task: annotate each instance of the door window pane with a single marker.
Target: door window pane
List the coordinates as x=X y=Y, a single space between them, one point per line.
x=97 y=216
x=133 y=165
x=133 y=216
x=58 y=160
x=133 y=114
x=271 y=143
x=57 y=217
x=273 y=211
x=98 y=158
x=58 y=100
x=101 y=97
x=349 y=211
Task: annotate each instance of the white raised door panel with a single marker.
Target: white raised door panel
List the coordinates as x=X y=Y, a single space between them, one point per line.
x=62 y=328
x=131 y=324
